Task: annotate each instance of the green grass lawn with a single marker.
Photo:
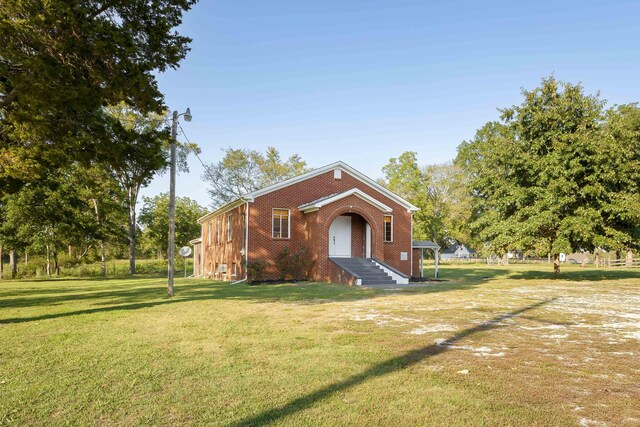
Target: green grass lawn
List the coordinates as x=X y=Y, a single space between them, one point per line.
x=491 y=346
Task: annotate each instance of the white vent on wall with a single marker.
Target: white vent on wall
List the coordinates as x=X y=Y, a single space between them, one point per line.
x=337 y=174
x=403 y=256
x=222 y=268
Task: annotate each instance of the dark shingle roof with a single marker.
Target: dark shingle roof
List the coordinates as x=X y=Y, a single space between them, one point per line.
x=427 y=244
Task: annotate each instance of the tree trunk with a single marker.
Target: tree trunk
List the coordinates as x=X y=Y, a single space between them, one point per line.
x=70 y=251
x=556 y=264
x=56 y=266
x=13 y=262
x=1 y=261
x=26 y=258
x=629 y=260
x=132 y=239
x=48 y=262
x=103 y=258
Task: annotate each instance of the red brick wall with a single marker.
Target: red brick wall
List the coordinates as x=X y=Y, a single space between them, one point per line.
x=225 y=251
x=337 y=275
x=311 y=229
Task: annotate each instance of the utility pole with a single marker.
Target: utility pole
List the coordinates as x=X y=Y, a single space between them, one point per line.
x=172 y=197
x=172 y=202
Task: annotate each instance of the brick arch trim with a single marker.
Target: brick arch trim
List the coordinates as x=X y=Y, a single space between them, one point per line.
x=353 y=209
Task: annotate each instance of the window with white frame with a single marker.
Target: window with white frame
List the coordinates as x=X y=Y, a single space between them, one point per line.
x=229 y=227
x=388 y=228
x=209 y=234
x=219 y=231
x=280 y=224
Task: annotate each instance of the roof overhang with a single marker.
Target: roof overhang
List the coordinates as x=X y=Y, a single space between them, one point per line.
x=314 y=206
x=231 y=205
x=195 y=241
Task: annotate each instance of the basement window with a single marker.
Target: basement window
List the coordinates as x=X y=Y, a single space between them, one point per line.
x=280 y=224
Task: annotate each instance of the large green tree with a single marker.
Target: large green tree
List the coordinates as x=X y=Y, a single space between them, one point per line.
x=537 y=174
x=242 y=171
x=62 y=62
x=438 y=190
x=48 y=216
x=103 y=197
x=621 y=143
x=403 y=176
x=154 y=218
x=140 y=149
x=447 y=207
x=137 y=155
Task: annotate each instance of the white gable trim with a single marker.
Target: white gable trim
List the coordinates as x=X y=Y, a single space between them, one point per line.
x=337 y=165
x=314 y=206
x=225 y=208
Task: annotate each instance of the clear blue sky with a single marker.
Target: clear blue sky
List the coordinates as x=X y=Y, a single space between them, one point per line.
x=363 y=81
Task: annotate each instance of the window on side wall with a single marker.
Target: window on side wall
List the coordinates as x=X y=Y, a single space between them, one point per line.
x=209 y=234
x=280 y=224
x=219 y=231
x=388 y=228
x=229 y=227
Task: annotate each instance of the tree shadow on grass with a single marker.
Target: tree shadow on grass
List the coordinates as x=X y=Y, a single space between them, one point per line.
x=92 y=299
x=384 y=368
x=139 y=293
x=48 y=285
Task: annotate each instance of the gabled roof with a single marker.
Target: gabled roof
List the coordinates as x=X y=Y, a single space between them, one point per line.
x=337 y=165
x=453 y=248
x=317 y=204
x=249 y=197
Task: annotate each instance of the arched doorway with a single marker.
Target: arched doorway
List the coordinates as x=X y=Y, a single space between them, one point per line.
x=350 y=236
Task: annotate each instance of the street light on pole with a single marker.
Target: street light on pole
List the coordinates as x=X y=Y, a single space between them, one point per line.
x=172 y=195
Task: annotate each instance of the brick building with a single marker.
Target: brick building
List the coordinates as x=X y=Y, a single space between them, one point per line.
x=355 y=230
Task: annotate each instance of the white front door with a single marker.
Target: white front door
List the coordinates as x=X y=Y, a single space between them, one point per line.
x=340 y=237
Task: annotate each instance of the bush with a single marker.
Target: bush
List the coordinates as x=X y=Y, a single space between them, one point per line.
x=283 y=263
x=301 y=264
x=256 y=269
x=294 y=265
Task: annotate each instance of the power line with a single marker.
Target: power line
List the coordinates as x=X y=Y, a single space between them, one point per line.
x=187 y=138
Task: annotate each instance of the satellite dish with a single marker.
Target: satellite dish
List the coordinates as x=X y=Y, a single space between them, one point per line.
x=185 y=251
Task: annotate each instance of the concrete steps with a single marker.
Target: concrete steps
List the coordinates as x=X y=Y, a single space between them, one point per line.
x=364 y=269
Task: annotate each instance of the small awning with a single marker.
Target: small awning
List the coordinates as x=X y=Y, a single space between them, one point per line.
x=424 y=244
x=195 y=241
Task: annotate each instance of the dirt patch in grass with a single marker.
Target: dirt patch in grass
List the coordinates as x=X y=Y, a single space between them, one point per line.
x=518 y=348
